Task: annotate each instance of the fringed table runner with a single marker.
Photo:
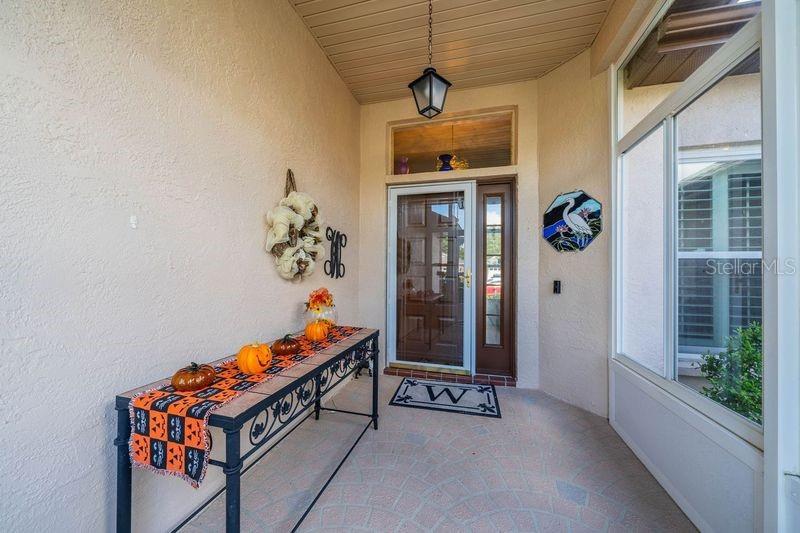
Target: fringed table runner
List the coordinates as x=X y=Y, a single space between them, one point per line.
x=169 y=428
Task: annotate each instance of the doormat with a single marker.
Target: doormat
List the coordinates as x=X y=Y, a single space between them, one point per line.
x=469 y=399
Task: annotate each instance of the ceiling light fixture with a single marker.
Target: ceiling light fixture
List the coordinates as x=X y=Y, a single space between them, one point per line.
x=430 y=89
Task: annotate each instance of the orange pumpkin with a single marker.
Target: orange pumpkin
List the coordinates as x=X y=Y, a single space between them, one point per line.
x=288 y=345
x=193 y=377
x=254 y=358
x=317 y=330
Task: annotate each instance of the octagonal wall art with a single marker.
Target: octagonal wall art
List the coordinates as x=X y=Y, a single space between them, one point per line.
x=572 y=221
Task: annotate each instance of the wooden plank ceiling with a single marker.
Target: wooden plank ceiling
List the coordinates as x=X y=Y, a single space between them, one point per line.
x=379 y=46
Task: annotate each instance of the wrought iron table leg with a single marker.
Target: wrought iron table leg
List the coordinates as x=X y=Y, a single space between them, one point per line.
x=232 y=470
x=318 y=396
x=375 y=373
x=123 y=471
x=362 y=364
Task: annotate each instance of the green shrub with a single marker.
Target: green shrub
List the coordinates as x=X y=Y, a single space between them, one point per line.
x=734 y=376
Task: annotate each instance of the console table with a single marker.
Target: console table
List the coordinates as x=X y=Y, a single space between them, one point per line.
x=265 y=410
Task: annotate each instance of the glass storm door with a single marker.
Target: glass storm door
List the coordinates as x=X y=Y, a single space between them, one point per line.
x=430 y=276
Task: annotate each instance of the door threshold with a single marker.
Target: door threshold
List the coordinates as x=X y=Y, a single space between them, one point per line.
x=425 y=368
x=479 y=379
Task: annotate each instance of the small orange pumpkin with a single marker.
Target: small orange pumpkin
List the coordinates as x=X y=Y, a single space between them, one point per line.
x=288 y=345
x=317 y=330
x=193 y=377
x=254 y=358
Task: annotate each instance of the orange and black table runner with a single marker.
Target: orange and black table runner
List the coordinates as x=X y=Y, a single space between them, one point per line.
x=169 y=431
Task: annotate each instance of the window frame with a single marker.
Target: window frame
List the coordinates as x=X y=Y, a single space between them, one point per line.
x=744 y=43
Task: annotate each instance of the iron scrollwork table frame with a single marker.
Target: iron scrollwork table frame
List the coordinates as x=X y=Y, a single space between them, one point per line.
x=268 y=409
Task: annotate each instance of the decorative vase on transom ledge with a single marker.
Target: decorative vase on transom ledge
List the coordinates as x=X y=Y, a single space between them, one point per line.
x=445 y=159
x=323 y=314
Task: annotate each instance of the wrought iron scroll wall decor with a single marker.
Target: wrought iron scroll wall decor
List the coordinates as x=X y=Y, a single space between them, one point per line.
x=334 y=266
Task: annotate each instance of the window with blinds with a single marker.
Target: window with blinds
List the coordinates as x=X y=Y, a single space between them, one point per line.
x=744 y=295
x=694 y=214
x=696 y=284
x=745 y=234
x=719 y=252
x=695 y=302
x=744 y=212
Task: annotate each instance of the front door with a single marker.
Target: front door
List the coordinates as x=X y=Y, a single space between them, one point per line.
x=430 y=290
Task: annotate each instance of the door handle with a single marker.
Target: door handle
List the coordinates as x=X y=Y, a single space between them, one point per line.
x=468 y=278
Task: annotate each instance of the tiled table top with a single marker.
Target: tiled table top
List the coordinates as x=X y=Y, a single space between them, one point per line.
x=269 y=387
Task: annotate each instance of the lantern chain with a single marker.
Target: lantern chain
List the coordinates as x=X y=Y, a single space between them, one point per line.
x=430 y=33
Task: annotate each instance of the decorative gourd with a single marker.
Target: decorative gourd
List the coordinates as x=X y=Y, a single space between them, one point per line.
x=193 y=377
x=317 y=331
x=254 y=358
x=285 y=346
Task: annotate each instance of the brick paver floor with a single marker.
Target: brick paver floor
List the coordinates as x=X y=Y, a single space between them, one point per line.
x=545 y=466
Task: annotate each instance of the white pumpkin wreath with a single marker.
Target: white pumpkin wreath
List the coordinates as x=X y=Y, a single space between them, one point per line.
x=294 y=234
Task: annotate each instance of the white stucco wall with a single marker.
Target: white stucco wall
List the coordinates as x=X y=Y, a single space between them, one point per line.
x=642 y=253
x=730 y=111
x=185 y=115
x=373 y=192
x=574 y=154
x=636 y=103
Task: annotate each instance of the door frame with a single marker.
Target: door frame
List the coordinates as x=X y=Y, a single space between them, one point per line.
x=393 y=191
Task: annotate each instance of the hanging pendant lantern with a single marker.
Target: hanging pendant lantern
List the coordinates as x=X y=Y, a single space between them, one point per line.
x=430 y=89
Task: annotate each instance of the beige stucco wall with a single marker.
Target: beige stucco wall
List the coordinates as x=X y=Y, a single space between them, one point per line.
x=636 y=103
x=184 y=114
x=574 y=154
x=729 y=112
x=373 y=216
